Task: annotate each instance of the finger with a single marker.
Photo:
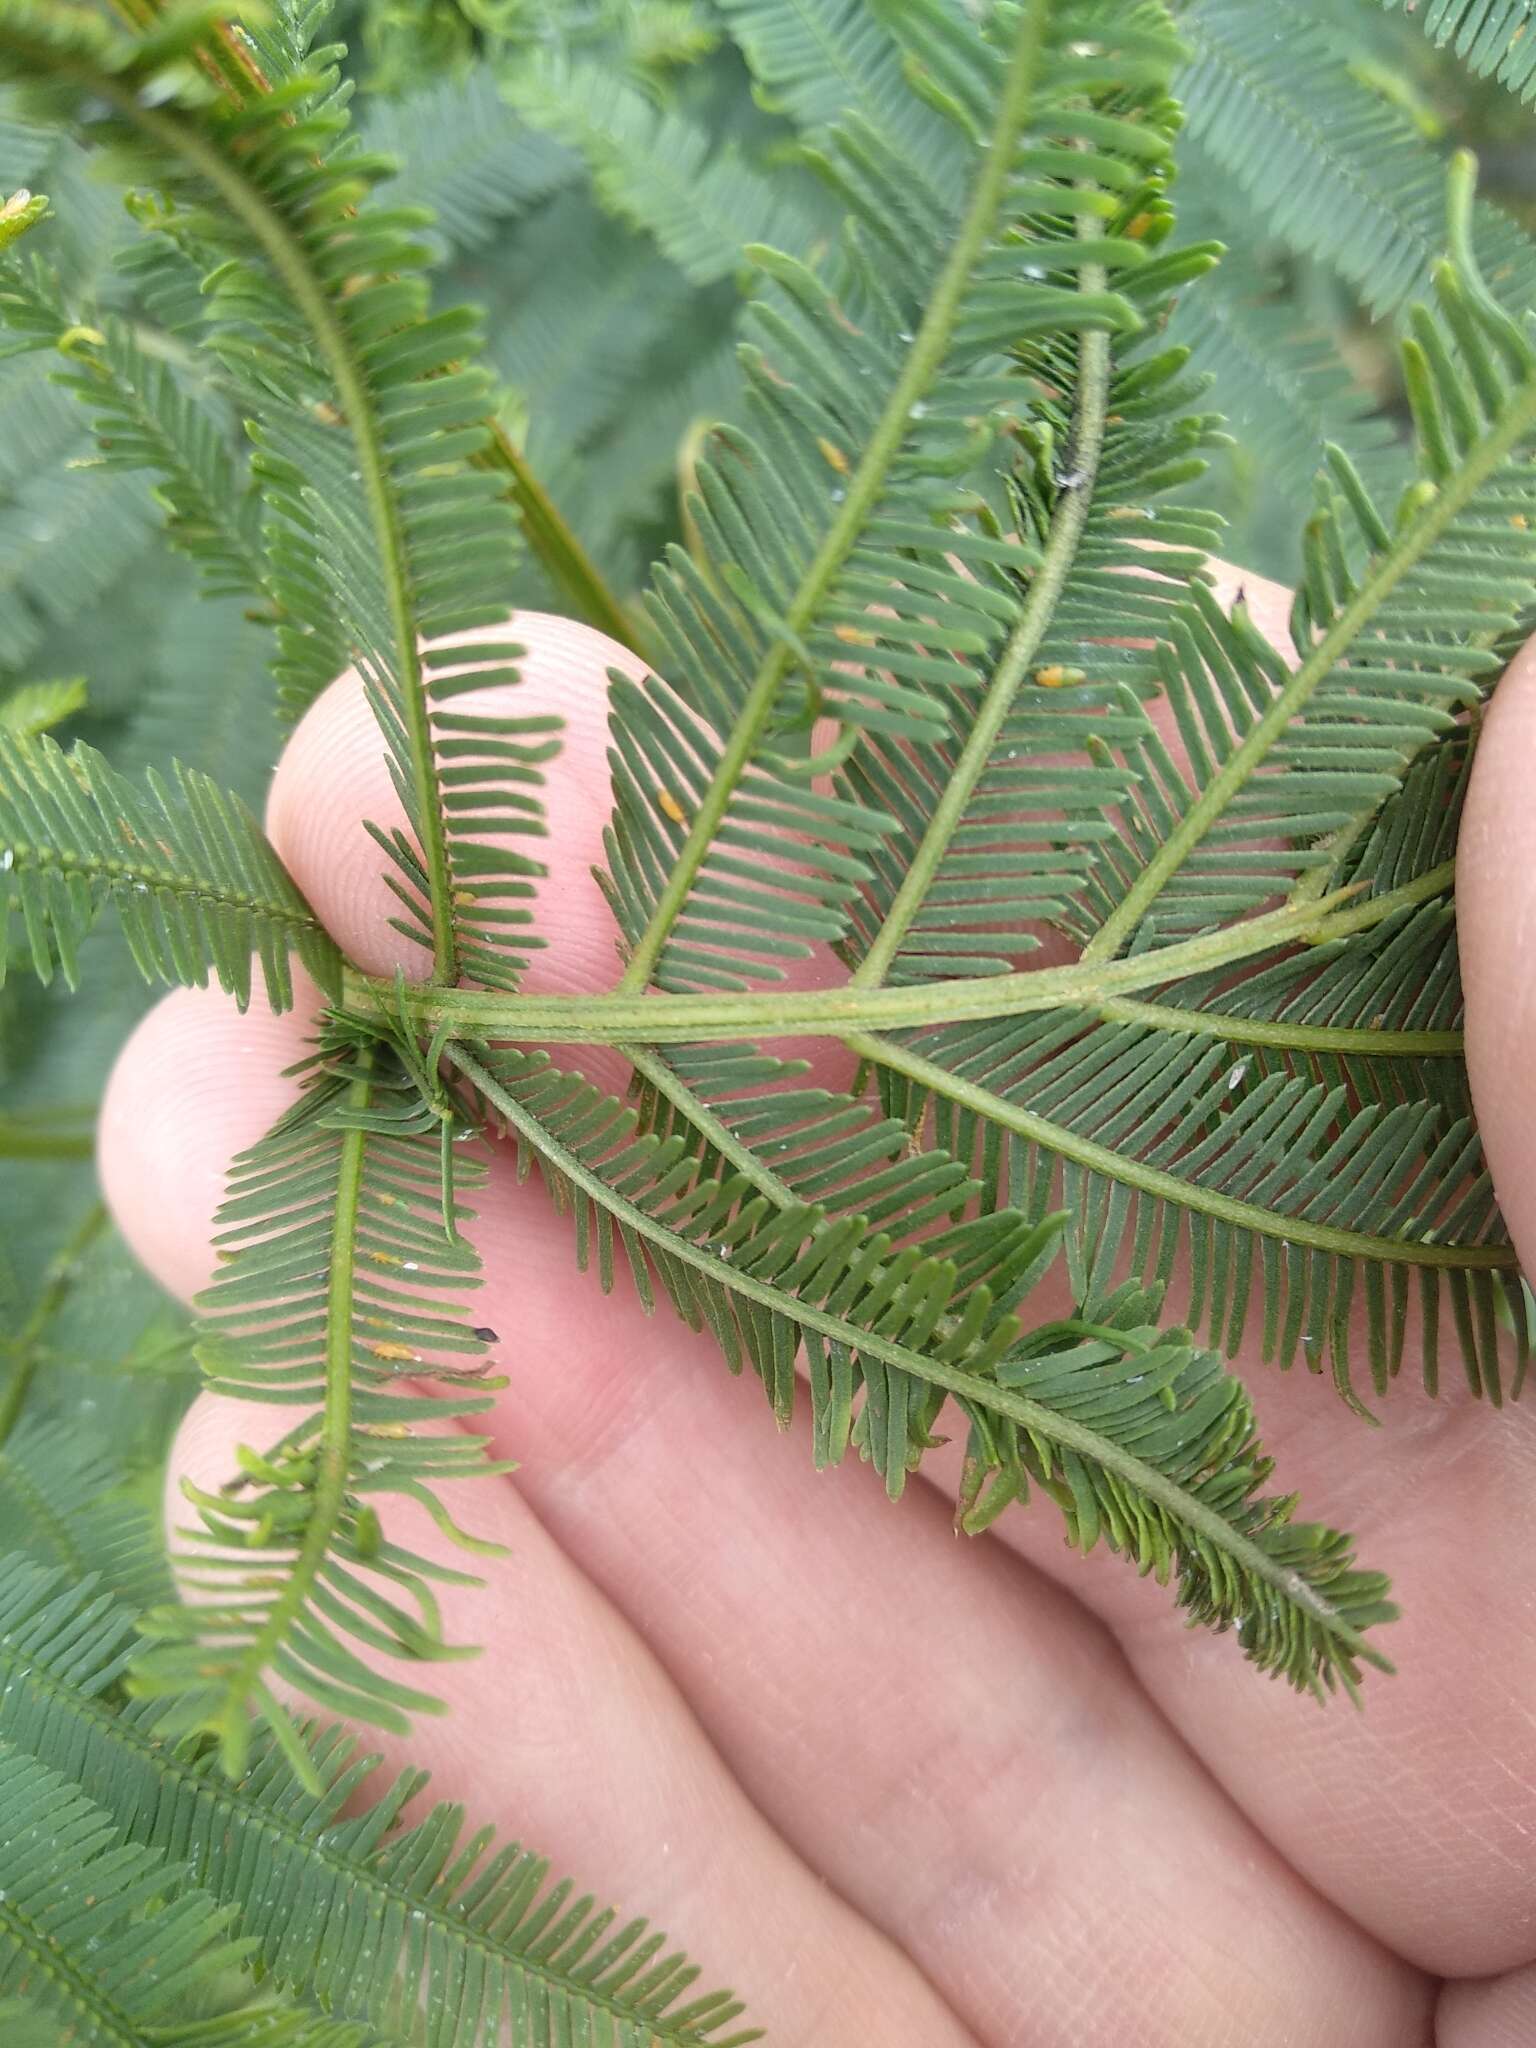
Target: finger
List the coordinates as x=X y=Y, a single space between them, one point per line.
x=1496 y=931
x=567 y=1732
x=933 y=1730
x=1496 y=2012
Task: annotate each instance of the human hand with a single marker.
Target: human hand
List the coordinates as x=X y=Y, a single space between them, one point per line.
x=901 y=1789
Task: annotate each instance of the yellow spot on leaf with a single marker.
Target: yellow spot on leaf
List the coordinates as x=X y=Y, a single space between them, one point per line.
x=1519 y=519
x=833 y=454
x=855 y=636
x=1138 y=226
x=1055 y=677
x=669 y=807
x=396 y=1353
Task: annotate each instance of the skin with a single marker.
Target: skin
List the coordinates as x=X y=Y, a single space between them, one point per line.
x=896 y=1787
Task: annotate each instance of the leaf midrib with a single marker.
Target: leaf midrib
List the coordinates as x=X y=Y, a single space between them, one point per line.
x=55 y=1962
x=1069 y=518
x=118 y=874
x=245 y=1674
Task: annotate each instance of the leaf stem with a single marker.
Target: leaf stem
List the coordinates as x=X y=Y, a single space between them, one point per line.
x=1041 y=1421
x=924 y=359
x=329 y=1491
x=569 y=565
x=1168 y=1187
x=1069 y=517
x=49 y=1134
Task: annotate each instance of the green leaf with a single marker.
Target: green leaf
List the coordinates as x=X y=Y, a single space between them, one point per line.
x=461 y=151
x=189 y=872
x=382 y=533
x=1493 y=38
x=337 y=1239
x=1146 y=1445
x=32 y=708
x=376 y=1918
x=863 y=421
x=660 y=171
x=1337 y=171
x=107 y=1941
x=61 y=1502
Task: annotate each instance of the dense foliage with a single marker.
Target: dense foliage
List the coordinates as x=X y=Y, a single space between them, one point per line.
x=871 y=328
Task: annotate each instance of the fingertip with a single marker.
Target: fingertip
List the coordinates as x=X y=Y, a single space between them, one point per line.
x=197 y=1082
x=334 y=776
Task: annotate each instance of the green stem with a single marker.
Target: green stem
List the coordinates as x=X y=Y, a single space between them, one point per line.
x=53 y=1134
x=661 y=1019
x=1297 y=1038
x=1168 y=1187
x=1357 y=615
x=1069 y=517
x=1042 y=1422
x=570 y=567
x=923 y=362
x=63 y=1271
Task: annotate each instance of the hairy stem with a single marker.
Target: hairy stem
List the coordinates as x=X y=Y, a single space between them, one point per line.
x=661 y=1019
x=864 y=488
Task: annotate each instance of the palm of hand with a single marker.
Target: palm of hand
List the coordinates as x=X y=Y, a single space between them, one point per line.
x=906 y=1790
